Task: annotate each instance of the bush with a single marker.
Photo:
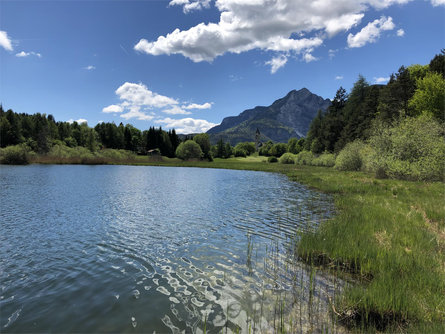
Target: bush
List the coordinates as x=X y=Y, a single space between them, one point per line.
x=239 y=152
x=248 y=147
x=304 y=158
x=272 y=159
x=325 y=159
x=278 y=150
x=287 y=158
x=14 y=155
x=350 y=157
x=413 y=149
x=189 y=150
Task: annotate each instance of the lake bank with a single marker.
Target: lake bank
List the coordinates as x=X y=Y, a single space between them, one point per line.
x=387 y=235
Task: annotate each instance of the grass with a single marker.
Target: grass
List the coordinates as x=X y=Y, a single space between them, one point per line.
x=388 y=236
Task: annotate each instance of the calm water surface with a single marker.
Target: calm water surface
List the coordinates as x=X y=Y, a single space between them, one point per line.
x=144 y=249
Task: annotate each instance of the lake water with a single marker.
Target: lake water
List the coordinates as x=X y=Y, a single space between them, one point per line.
x=154 y=249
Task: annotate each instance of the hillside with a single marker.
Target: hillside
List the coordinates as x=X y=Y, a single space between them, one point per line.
x=287 y=117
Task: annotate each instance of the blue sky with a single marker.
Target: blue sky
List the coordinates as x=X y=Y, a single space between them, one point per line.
x=188 y=64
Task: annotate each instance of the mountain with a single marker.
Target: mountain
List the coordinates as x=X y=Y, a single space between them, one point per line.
x=287 y=117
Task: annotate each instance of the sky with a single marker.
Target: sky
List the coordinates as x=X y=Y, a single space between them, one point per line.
x=187 y=64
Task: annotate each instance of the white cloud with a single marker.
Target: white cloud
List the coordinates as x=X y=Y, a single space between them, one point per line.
x=5 y=41
x=27 y=54
x=90 y=67
x=339 y=77
x=438 y=2
x=381 y=80
x=190 y=5
x=307 y=57
x=401 y=32
x=80 y=120
x=371 y=32
x=270 y=25
x=276 y=63
x=136 y=113
x=137 y=97
x=187 y=125
x=206 y=105
x=175 y=110
x=113 y=109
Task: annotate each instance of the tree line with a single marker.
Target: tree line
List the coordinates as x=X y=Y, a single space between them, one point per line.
x=40 y=132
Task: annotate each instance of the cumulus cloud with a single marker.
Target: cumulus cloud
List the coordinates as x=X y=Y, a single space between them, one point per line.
x=339 y=77
x=5 y=41
x=137 y=98
x=401 y=32
x=281 y=26
x=438 y=2
x=176 y=110
x=371 y=32
x=137 y=114
x=27 y=54
x=187 y=125
x=139 y=95
x=90 y=67
x=381 y=80
x=113 y=109
x=276 y=63
x=206 y=105
x=190 y=5
x=308 y=57
x=79 y=121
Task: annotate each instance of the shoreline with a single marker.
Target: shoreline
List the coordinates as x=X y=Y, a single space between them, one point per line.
x=387 y=234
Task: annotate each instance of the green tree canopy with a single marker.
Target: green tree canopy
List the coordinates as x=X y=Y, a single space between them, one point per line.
x=189 y=150
x=429 y=96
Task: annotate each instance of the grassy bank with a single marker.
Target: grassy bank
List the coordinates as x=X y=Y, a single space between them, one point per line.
x=388 y=236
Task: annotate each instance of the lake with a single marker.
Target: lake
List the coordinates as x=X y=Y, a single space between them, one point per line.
x=156 y=249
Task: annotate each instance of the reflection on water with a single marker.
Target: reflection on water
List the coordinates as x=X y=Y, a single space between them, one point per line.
x=143 y=249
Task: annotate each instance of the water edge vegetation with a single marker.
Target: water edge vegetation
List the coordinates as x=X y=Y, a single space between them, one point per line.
x=388 y=236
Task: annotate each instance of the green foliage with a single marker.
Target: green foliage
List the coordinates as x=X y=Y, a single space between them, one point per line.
x=265 y=148
x=325 y=159
x=413 y=149
x=429 y=96
x=248 y=147
x=304 y=158
x=287 y=158
x=221 y=150
x=295 y=145
x=189 y=150
x=417 y=71
x=203 y=140
x=277 y=150
x=239 y=152
x=437 y=64
x=350 y=158
x=272 y=159
x=14 y=155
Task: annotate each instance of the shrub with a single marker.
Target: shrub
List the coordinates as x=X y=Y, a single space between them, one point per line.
x=278 y=149
x=189 y=150
x=239 y=152
x=350 y=157
x=304 y=158
x=412 y=149
x=272 y=159
x=287 y=158
x=248 y=147
x=14 y=155
x=325 y=159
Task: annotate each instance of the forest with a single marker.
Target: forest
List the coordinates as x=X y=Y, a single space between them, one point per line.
x=394 y=130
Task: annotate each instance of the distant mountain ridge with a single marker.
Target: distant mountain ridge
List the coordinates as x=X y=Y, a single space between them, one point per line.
x=287 y=117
